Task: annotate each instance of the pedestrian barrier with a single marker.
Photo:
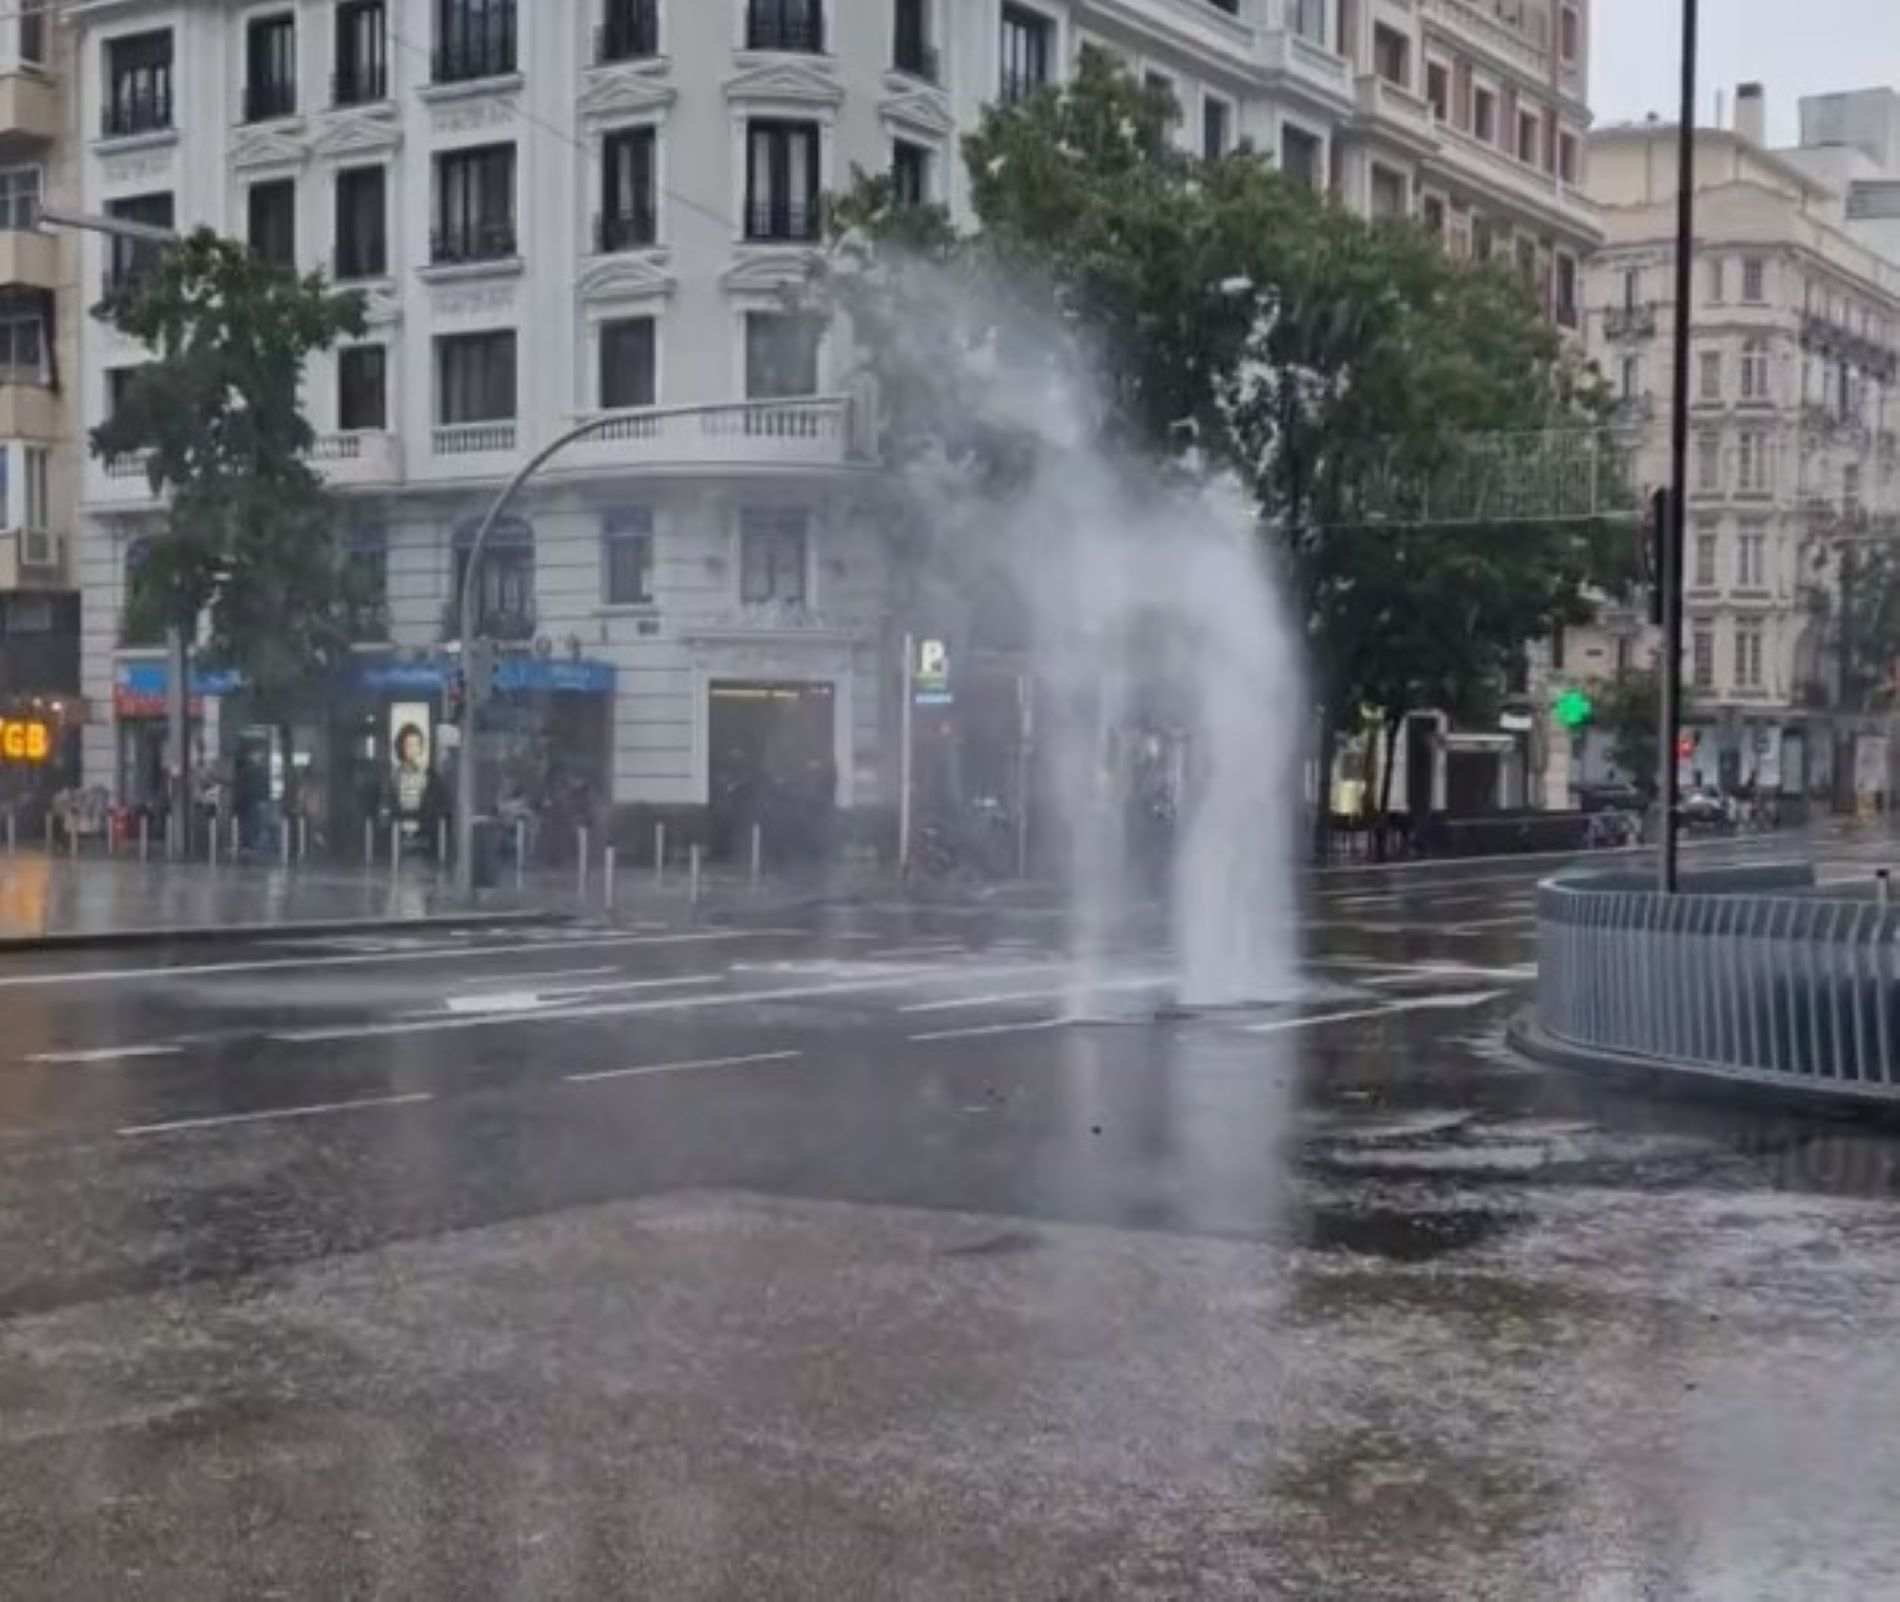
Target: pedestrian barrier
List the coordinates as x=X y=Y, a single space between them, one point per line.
x=1749 y=973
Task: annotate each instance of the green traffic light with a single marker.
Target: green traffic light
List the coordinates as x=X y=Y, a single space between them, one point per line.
x=1574 y=709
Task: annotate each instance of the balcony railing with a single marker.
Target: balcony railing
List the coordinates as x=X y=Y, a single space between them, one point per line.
x=1629 y=322
x=816 y=432
x=505 y=623
x=136 y=113
x=484 y=50
x=358 y=456
x=273 y=97
x=359 y=260
x=775 y=25
x=630 y=33
x=471 y=242
x=799 y=222
x=632 y=230
x=360 y=83
x=472 y=439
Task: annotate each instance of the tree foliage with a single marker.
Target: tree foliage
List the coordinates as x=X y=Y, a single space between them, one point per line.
x=249 y=536
x=1230 y=318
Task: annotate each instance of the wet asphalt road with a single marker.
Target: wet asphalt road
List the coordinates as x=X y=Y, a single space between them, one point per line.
x=815 y=1260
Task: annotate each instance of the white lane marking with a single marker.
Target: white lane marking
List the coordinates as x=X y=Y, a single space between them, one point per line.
x=934 y=948
x=315 y=1111
x=1417 y=1004
x=1472 y=925
x=623 y=1009
x=105 y=1054
x=439 y=954
x=541 y=1000
x=516 y=978
x=1030 y=1027
x=1434 y=970
x=998 y=997
x=684 y=1067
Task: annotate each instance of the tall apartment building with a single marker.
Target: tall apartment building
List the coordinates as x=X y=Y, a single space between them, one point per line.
x=1795 y=360
x=39 y=318
x=560 y=211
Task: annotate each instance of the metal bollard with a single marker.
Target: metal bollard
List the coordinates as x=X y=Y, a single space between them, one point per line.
x=283 y=842
x=442 y=842
x=607 y=878
x=758 y=853
x=214 y=842
x=659 y=855
x=692 y=874
x=1883 y=886
x=521 y=852
x=581 y=878
x=145 y=836
x=49 y=831
x=303 y=839
x=395 y=846
x=72 y=840
x=237 y=836
x=369 y=842
x=13 y=833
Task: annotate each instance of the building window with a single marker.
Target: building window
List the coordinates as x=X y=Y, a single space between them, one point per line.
x=1484 y=115
x=1712 y=272
x=1850 y=489
x=362 y=228
x=910 y=173
x=37 y=514
x=1527 y=262
x=1755 y=370
x=474 y=205
x=630 y=32
x=1705 y=561
x=477 y=377
x=1754 y=463
x=362 y=388
x=1027 y=40
x=273 y=221
x=138 y=83
x=1438 y=90
x=1754 y=279
x=1748 y=559
x=1216 y=128
x=912 y=51
x=1431 y=211
x=628 y=217
x=772 y=554
x=1708 y=464
x=1566 y=308
x=1632 y=288
x=1484 y=239
x=1567 y=157
x=781 y=180
x=785 y=25
x=33 y=31
x=1299 y=156
x=1703 y=657
x=1308 y=20
x=627 y=551
x=23 y=338
x=1160 y=87
x=366 y=583
x=628 y=363
x=1388 y=193
x=1527 y=137
x=270 y=56
x=130 y=261
x=781 y=355
x=474 y=39
x=1391 y=55
x=1748 y=638
x=362 y=54
x=20 y=196
x=1632 y=377
x=1711 y=376
x=1569 y=34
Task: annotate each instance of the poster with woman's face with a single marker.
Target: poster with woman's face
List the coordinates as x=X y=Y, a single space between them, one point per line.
x=410 y=751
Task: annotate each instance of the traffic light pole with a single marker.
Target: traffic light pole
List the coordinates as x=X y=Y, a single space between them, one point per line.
x=1672 y=540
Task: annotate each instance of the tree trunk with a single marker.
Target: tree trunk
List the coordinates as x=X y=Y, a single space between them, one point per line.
x=1393 y=723
x=1323 y=787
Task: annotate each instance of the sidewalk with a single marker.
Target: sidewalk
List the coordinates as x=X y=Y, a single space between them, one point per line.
x=59 y=898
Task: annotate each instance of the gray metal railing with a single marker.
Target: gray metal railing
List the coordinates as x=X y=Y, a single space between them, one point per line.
x=1744 y=975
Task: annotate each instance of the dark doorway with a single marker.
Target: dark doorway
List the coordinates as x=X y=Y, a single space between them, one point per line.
x=1418 y=765
x=771 y=763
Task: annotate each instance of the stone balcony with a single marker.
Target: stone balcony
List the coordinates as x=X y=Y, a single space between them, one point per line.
x=358 y=457
x=1486 y=26
x=29 y=258
x=1629 y=322
x=820 y=433
x=1517 y=182
x=29 y=106
x=1294 y=60
x=32 y=559
x=1395 y=113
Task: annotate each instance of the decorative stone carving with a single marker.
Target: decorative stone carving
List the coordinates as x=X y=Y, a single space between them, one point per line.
x=916 y=107
x=807 y=83
x=268 y=147
x=770 y=270
x=372 y=132
x=637 y=89
x=475 y=302
x=471 y=116
x=626 y=277
x=115 y=170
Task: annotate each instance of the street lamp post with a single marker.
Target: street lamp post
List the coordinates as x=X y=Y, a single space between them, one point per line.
x=1672 y=534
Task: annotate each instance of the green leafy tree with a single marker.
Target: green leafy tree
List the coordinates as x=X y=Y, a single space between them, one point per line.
x=249 y=535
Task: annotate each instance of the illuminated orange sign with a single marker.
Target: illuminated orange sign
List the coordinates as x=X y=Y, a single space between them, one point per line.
x=25 y=741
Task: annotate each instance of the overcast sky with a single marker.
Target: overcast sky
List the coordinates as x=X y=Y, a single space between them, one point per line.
x=1835 y=44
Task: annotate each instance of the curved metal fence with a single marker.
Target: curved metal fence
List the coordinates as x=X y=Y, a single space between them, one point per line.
x=1743 y=975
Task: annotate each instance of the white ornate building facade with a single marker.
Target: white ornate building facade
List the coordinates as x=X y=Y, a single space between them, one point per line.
x=569 y=208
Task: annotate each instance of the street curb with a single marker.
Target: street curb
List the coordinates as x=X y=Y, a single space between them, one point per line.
x=1690 y=1081
x=248 y=933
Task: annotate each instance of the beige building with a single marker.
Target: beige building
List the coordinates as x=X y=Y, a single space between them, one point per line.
x=1795 y=356
x=39 y=311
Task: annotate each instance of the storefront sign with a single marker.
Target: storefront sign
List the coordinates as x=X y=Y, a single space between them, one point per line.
x=930 y=682
x=25 y=740
x=516 y=674
x=141 y=689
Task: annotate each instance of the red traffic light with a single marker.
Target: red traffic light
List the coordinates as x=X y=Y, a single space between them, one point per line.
x=1685 y=745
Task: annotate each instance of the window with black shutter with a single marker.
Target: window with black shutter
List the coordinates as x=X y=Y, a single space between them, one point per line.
x=273 y=221
x=362 y=227
x=138 y=90
x=627 y=219
x=773 y=549
x=362 y=53
x=627 y=368
x=476 y=377
x=628 y=556
x=270 y=54
x=781 y=180
x=362 y=388
x=475 y=204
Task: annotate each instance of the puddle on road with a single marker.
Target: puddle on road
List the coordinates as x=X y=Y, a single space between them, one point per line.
x=1401 y=1236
